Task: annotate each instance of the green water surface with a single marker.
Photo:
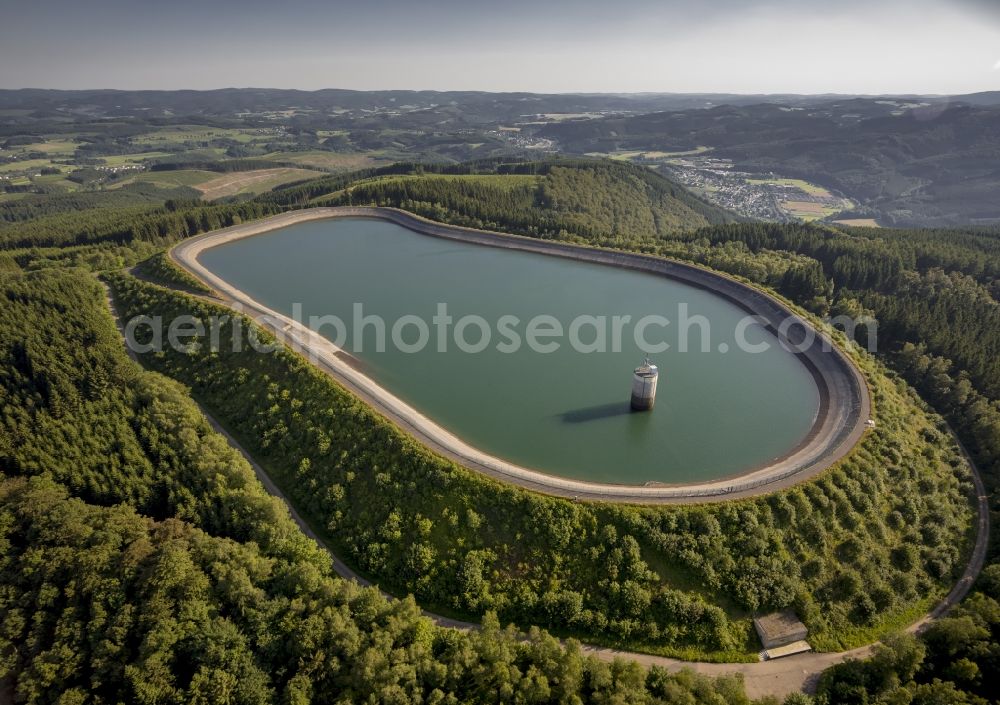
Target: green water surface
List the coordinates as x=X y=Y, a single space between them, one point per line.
x=565 y=412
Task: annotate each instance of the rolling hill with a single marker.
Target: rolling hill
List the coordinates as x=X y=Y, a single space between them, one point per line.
x=908 y=164
x=587 y=200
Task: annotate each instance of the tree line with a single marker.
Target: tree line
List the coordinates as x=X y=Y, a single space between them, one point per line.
x=123 y=226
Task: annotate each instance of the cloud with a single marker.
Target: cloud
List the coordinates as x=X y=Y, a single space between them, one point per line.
x=987 y=6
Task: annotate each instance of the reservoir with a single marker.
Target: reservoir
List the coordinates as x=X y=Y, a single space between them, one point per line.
x=721 y=409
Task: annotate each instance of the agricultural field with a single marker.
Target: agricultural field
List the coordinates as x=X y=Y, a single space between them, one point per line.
x=649 y=155
x=136 y=158
x=859 y=222
x=805 y=210
x=64 y=154
x=330 y=161
x=57 y=181
x=171 y=179
x=53 y=147
x=811 y=189
x=252 y=182
x=215 y=185
x=24 y=165
x=178 y=134
x=114 y=162
x=812 y=210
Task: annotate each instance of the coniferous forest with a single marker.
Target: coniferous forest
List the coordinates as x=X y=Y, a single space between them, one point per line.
x=839 y=549
x=143 y=561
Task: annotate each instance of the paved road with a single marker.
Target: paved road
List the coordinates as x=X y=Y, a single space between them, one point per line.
x=778 y=677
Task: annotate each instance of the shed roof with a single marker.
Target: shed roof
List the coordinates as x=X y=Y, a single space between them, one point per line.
x=779 y=625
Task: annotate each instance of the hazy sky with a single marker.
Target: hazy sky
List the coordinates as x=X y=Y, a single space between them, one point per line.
x=741 y=46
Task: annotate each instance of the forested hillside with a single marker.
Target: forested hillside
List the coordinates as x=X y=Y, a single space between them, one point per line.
x=142 y=561
x=591 y=200
x=595 y=200
x=122 y=226
x=911 y=165
x=31 y=207
x=932 y=291
x=935 y=295
x=670 y=579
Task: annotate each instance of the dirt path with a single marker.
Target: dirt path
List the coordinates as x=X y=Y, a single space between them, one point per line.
x=778 y=677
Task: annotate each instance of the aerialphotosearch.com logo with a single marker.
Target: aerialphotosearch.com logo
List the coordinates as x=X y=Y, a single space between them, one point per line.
x=652 y=334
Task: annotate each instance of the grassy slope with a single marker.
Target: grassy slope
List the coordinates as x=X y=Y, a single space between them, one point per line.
x=214 y=185
x=334 y=161
x=251 y=182
x=178 y=177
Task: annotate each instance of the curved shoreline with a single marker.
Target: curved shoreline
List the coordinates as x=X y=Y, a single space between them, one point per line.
x=845 y=403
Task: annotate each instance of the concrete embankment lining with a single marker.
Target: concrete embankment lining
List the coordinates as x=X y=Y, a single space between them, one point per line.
x=845 y=403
